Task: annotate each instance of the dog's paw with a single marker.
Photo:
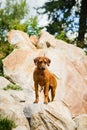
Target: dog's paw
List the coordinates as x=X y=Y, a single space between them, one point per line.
x=48 y=99
x=36 y=101
x=46 y=102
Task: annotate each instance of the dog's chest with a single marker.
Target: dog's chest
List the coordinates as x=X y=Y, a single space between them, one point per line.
x=41 y=76
x=42 y=79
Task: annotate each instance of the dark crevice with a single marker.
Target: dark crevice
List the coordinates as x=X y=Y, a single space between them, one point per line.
x=29 y=121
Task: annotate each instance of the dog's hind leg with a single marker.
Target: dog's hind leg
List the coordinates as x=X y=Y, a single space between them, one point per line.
x=52 y=94
x=48 y=99
x=48 y=94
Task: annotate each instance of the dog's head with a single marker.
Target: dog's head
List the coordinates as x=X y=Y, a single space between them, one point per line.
x=41 y=62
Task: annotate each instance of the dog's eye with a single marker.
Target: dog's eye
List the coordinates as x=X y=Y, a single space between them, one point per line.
x=45 y=62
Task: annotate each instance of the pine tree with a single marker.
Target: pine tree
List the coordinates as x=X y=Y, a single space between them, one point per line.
x=67 y=15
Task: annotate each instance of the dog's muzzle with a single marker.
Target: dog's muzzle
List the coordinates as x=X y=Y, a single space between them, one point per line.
x=42 y=68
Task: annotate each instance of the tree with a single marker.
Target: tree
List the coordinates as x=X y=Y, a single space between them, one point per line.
x=82 y=23
x=13 y=12
x=68 y=16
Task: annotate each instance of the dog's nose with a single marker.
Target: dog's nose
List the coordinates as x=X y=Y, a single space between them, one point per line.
x=42 y=68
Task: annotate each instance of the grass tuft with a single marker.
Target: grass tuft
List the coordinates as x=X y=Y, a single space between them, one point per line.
x=6 y=124
x=12 y=87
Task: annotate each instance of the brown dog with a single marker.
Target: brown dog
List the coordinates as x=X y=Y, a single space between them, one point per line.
x=44 y=78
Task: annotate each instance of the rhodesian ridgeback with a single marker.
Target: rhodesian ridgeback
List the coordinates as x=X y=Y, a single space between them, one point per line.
x=44 y=78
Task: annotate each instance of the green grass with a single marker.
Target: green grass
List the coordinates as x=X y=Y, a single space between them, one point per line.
x=6 y=124
x=12 y=87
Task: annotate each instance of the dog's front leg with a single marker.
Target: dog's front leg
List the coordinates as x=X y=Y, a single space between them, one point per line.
x=46 y=89
x=36 y=92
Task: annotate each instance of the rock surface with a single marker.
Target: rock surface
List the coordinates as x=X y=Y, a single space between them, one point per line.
x=20 y=39
x=53 y=116
x=81 y=122
x=3 y=82
x=68 y=63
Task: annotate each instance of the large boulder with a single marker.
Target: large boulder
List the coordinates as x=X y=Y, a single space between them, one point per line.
x=81 y=122
x=19 y=39
x=54 y=116
x=68 y=63
x=12 y=109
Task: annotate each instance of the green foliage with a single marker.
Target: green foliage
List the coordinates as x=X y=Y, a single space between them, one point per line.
x=18 y=26
x=5 y=49
x=68 y=16
x=63 y=37
x=30 y=26
x=6 y=124
x=8 y=16
x=59 y=14
x=33 y=28
x=13 y=87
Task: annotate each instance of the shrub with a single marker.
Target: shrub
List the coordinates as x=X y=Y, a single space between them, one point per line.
x=18 y=26
x=5 y=49
x=6 y=124
x=30 y=26
x=33 y=28
x=63 y=37
x=13 y=87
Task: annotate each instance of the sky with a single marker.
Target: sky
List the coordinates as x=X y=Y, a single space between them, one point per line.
x=42 y=20
x=35 y=3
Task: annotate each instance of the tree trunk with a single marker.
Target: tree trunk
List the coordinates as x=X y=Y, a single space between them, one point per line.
x=82 y=23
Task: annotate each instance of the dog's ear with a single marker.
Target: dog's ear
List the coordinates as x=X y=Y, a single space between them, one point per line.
x=36 y=60
x=48 y=61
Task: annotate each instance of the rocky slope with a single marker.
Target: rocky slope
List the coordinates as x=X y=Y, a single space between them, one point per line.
x=68 y=63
